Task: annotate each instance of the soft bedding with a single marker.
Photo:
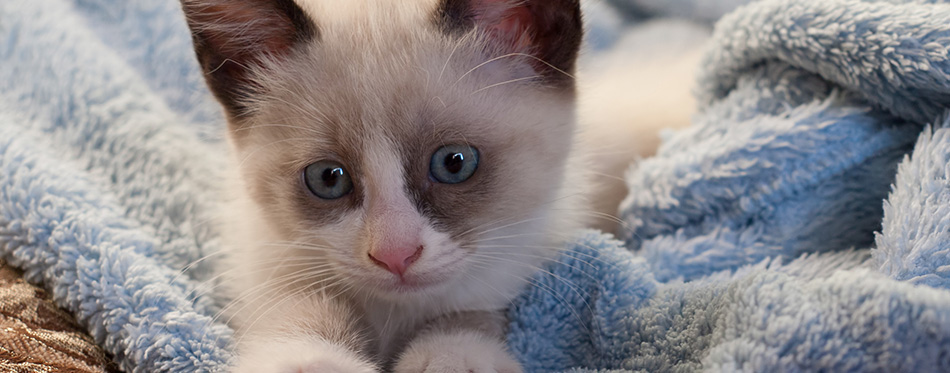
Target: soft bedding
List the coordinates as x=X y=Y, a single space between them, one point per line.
x=800 y=223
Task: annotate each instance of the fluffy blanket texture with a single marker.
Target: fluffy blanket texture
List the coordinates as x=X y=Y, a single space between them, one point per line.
x=752 y=235
x=802 y=223
x=105 y=183
x=702 y=11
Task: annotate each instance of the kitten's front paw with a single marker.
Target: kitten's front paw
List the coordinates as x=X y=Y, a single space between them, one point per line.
x=461 y=352
x=300 y=357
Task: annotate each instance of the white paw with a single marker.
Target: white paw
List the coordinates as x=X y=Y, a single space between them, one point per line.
x=300 y=357
x=461 y=352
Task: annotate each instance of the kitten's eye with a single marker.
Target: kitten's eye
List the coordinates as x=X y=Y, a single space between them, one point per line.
x=454 y=164
x=328 y=180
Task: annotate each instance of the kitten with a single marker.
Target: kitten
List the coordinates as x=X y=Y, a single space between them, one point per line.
x=404 y=167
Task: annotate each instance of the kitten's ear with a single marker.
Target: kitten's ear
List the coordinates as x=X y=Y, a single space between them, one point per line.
x=549 y=30
x=232 y=37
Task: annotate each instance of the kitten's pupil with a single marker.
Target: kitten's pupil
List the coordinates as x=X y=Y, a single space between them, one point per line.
x=454 y=162
x=331 y=176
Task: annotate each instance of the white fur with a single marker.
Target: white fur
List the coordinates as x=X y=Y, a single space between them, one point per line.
x=297 y=338
x=458 y=352
x=293 y=355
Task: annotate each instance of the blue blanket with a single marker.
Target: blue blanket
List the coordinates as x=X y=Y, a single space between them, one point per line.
x=801 y=224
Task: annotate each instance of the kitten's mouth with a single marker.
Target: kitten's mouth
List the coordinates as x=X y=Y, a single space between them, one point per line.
x=416 y=282
x=410 y=284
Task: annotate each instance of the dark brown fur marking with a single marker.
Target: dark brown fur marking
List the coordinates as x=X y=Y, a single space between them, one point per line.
x=557 y=30
x=230 y=36
x=450 y=208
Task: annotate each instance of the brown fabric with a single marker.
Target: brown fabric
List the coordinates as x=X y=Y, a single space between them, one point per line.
x=37 y=336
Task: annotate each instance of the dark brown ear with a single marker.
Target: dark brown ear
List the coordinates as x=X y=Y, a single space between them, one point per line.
x=549 y=30
x=233 y=36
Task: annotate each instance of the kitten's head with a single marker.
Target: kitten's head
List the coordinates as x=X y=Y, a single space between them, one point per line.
x=409 y=143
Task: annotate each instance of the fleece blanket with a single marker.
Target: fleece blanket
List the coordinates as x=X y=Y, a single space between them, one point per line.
x=799 y=225
x=106 y=179
x=698 y=11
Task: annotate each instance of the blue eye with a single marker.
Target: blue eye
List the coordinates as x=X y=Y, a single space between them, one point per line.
x=328 y=180
x=454 y=164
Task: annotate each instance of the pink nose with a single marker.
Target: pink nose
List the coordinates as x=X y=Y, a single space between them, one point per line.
x=396 y=260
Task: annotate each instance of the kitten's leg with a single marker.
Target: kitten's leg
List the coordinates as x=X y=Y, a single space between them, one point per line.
x=315 y=335
x=460 y=343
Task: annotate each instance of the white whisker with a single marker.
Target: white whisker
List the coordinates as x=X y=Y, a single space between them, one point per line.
x=522 y=79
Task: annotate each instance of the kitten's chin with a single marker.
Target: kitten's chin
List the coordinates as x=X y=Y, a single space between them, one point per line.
x=409 y=287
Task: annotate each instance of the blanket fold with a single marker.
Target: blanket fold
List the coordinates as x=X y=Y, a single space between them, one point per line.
x=914 y=242
x=894 y=53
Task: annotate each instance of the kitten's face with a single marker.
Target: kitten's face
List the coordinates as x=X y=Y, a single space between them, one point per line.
x=389 y=145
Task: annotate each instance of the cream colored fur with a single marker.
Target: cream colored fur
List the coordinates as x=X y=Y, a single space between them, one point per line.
x=626 y=103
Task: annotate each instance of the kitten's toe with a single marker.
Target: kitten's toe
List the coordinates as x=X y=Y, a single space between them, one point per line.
x=456 y=353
